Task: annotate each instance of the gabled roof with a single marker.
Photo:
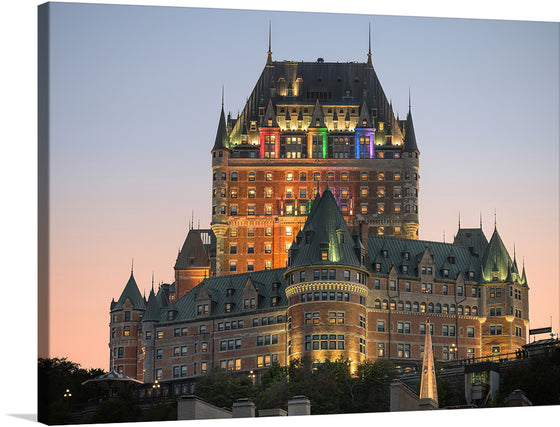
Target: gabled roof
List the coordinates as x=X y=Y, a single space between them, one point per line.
x=131 y=292
x=317 y=119
x=496 y=259
x=270 y=115
x=472 y=239
x=325 y=229
x=152 y=313
x=221 y=141
x=192 y=253
x=364 y=116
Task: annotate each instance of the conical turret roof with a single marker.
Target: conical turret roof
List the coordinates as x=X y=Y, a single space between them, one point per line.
x=326 y=231
x=428 y=385
x=152 y=313
x=496 y=259
x=221 y=141
x=131 y=292
x=410 y=136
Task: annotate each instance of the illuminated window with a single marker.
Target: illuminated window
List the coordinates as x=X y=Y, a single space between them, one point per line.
x=380 y=349
x=380 y=191
x=268 y=176
x=233 y=266
x=268 y=231
x=330 y=176
x=268 y=209
x=380 y=208
x=364 y=191
x=364 y=176
x=251 y=193
x=251 y=176
x=234 y=176
x=381 y=176
x=268 y=193
x=344 y=176
x=233 y=232
x=397 y=176
x=380 y=230
x=316 y=176
x=364 y=208
x=267 y=248
x=397 y=230
x=250 y=209
x=397 y=208
x=288 y=230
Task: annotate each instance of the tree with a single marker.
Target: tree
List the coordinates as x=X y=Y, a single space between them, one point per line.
x=223 y=388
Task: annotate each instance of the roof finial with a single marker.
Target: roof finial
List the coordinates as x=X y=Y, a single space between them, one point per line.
x=222 y=97
x=152 y=279
x=192 y=219
x=269 y=53
x=494 y=218
x=132 y=267
x=481 y=220
x=369 y=50
x=409 y=103
x=459 y=220
x=443 y=236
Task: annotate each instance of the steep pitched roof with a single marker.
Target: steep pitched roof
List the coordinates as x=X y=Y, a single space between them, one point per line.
x=152 y=313
x=192 y=253
x=326 y=230
x=221 y=141
x=472 y=239
x=131 y=292
x=340 y=84
x=496 y=259
x=410 y=136
x=428 y=385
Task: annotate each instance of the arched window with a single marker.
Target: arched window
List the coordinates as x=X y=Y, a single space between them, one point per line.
x=445 y=309
x=460 y=309
x=430 y=308
x=415 y=307
x=423 y=307
x=393 y=305
x=385 y=304
x=468 y=310
x=408 y=306
x=452 y=309
x=377 y=303
x=475 y=310
x=438 y=308
x=401 y=306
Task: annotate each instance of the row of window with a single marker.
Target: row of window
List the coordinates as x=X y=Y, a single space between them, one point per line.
x=324 y=342
x=344 y=176
x=425 y=287
x=446 y=330
x=303 y=193
x=421 y=307
x=324 y=296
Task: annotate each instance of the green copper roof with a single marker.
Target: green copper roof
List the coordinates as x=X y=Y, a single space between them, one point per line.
x=325 y=230
x=152 y=313
x=218 y=289
x=131 y=292
x=389 y=251
x=496 y=260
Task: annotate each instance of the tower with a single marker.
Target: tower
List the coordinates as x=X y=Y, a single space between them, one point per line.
x=303 y=125
x=428 y=384
x=125 y=323
x=326 y=287
x=192 y=265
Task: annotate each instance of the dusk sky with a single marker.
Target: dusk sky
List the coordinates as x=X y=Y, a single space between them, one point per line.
x=136 y=95
x=135 y=101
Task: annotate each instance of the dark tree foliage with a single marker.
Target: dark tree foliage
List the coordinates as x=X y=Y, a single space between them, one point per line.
x=539 y=380
x=222 y=388
x=122 y=408
x=55 y=376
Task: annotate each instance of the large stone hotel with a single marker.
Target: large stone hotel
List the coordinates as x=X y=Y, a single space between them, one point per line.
x=313 y=248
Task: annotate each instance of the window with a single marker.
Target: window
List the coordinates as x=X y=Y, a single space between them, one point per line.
x=403 y=327
x=159 y=354
x=250 y=209
x=364 y=176
x=380 y=326
x=288 y=230
x=303 y=176
x=445 y=290
x=233 y=232
x=404 y=351
x=251 y=176
x=268 y=176
x=234 y=176
x=302 y=193
x=127 y=316
x=233 y=248
x=233 y=210
x=233 y=266
x=289 y=176
x=268 y=231
x=126 y=331
x=364 y=208
x=470 y=331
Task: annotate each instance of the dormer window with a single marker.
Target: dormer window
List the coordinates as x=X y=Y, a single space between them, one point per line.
x=377 y=266
x=406 y=255
x=384 y=253
x=230 y=292
x=445 y=272
x=324 y=255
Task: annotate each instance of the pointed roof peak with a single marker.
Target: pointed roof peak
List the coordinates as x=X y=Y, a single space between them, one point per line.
x=221 y=134
x=410 y=137
x=132 y=293
x=269 y=53
x=369 y=49
x=192 y=253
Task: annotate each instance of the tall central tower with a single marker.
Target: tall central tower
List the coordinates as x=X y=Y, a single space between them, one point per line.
x=306 y=124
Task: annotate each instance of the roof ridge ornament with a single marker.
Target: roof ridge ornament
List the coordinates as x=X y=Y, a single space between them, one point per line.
x=269 y=53
x=369 y=50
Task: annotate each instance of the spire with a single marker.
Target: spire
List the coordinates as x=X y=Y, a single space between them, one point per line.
x=369 y=50
x=132 y=293
x=269 y=53
x=410 y=137
x=132 y=267
x=428 y=385
x=481 y=220
x=221 y=134
x=459 y=220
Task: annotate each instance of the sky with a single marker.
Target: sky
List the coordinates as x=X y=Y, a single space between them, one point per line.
x=134 y=108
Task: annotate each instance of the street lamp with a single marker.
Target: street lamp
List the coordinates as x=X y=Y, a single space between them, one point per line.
x=453 y=352
x=252 y=376
x=67 y=396
x=156 y=386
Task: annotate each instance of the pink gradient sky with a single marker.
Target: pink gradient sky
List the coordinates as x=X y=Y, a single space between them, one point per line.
x=134 y=109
